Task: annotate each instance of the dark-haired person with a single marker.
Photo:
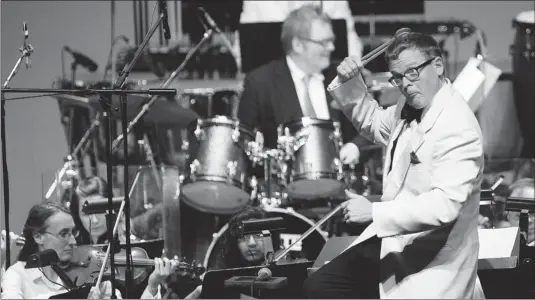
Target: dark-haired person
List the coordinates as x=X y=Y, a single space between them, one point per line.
x=237 y=250
x=51 y=226
x=423 y=238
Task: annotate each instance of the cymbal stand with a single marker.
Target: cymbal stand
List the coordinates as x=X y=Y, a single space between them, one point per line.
x=25 y=51
x=70 y=159
x=120 y=84
x=270 y=198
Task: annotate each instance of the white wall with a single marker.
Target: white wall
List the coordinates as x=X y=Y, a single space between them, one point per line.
x=36 y=141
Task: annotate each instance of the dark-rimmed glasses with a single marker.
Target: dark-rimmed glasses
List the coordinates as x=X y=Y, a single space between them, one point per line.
x=411 y=74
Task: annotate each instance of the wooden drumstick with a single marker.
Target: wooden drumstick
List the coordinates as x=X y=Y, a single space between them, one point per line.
x=308 y=232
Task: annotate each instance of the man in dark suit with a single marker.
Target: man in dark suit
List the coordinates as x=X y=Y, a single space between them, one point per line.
x=294 y=86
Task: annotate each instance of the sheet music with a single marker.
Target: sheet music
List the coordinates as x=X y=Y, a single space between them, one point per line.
x=476 y=81
x=497 y=243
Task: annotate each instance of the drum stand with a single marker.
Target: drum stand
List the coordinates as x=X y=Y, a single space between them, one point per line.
x=269 y=198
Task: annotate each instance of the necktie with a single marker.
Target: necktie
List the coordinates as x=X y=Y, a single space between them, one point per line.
x=410 y=113
x=308 y=109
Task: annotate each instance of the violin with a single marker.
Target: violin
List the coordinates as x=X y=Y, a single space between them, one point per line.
x=86 y=262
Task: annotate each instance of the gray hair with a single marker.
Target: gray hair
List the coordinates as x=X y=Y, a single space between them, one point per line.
x=298 y=24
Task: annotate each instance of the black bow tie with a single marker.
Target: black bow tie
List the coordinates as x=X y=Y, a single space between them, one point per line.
x=410 y=113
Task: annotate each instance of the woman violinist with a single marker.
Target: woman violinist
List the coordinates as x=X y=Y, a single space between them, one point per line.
x=50 y=226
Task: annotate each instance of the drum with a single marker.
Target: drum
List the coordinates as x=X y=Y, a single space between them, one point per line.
x=217 y=179
x=208 y=103
x=314 y=170
x=295 y=224
x=523 y=52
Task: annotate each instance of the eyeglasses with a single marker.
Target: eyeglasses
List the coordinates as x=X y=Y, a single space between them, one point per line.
x=65 y=234
x=411 y=74
x=247 y=237
x=324 y=42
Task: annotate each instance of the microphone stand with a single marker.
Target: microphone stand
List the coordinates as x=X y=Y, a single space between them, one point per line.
x=69 y=159
x=168 y=81
x=120 y=84
x=25 y=52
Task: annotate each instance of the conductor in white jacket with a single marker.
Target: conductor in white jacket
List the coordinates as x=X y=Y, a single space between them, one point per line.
x=423 y=240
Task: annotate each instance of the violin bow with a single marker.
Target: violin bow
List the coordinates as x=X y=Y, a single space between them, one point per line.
x=115 y=227
x=308 y=232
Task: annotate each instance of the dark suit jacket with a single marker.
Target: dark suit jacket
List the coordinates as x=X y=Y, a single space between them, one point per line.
x=269 y=99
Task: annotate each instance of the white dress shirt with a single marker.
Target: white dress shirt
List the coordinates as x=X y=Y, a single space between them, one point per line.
x=316 y=90
x=276 y=11
x=21 y=283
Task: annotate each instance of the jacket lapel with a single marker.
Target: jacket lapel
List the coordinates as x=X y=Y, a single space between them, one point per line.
x=287 y=100
x=395 y=178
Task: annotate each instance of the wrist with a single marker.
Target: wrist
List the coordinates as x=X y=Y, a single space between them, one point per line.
x=153 y=289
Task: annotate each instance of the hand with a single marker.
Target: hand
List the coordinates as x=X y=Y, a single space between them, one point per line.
x=350 y=154
x=350 y=67
x=101 y=292
x=483 y=222
x=195 y=294
x=12 y=240
x=163 y=267
x=357 y=209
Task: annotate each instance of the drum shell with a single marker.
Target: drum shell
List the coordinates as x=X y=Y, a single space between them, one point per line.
x=213 y=149
x=315 y=160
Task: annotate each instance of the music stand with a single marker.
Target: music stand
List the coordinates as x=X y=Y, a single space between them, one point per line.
x=265 y=38
x=214 y=281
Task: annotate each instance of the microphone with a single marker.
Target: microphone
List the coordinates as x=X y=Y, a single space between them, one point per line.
x=100 y=206
x=26 y=36
x=162 y=4
x=263 y=274
x=254 y=226
x=213 y=25
x=82 y=59
x=42 y=259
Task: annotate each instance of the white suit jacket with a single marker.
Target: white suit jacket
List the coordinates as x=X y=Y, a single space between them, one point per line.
x=427 y=217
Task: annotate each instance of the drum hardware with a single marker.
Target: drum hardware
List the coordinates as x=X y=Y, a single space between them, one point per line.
x=199 y=133
x=194 y=167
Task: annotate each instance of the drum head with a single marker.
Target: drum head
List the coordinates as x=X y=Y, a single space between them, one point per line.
x=215 y=197
x=314 y=189
x=295 y=225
